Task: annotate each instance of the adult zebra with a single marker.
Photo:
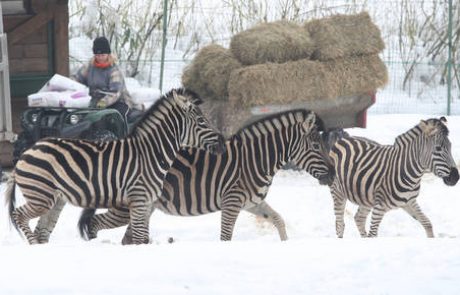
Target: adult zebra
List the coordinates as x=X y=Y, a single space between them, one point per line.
x=127 y=172
x=384 y=177
x=238 y=179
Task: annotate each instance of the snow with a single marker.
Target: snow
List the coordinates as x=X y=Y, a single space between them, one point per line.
x=313 y=261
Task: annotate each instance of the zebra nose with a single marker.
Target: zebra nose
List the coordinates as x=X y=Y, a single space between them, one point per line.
x=328 y=179
x=453 y=177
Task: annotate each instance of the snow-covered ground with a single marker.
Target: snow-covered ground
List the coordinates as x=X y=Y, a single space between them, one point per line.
x=313 y=261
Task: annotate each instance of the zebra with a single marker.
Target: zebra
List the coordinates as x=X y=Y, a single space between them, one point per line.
x=238 y=179
x=127 y=172
x=379 y=178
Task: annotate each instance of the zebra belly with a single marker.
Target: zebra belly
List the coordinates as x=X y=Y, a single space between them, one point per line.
x=356 y=194
x=174 y=208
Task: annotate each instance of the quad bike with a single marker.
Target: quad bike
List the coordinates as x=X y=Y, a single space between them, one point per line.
x=86 y=123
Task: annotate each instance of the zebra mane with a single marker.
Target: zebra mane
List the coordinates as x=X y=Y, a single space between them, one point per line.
x=439 y=123
x=179 y=91
x=299 y=114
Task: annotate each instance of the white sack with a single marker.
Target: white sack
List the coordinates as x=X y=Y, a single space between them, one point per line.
x=61 y=83
x=67 y=99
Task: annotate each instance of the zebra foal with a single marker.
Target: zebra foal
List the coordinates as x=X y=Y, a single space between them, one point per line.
x=127 y=172
x=379 y=178
x=238 y=179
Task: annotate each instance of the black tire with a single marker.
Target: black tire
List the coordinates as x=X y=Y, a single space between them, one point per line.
x=22 y=143
x=101 y=135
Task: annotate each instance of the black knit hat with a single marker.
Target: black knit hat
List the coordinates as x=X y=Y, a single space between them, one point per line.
x=101 y=45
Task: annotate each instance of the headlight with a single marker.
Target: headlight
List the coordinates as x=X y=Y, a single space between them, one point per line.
x=34 y=118
x=74 y=119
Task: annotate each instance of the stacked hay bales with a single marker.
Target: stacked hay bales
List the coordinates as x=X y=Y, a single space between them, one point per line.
x=306 y=80
x=286 y=63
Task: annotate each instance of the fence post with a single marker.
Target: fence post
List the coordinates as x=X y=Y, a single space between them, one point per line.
x=449 y=60
x=163 y=44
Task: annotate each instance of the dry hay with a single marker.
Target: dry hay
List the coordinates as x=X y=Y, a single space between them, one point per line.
x=357 y=75
x=209 y=72
x=344 y=35
x=306 y=80
x=278 y=42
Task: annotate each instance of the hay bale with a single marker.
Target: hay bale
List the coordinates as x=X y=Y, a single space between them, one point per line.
x=357 y=74
x=306 y=80
x=277 y=42
x=209 y=72
x=344 y=35
x=280 y=83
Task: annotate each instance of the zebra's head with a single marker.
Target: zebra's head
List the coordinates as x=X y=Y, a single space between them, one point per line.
x=196 y=130
x=310 y=153
x=438 y=155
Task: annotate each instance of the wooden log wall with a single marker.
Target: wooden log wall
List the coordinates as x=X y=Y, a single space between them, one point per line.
x=31 y=51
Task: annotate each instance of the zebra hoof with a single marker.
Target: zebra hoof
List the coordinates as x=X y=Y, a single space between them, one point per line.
x=139 y=242
x=43 y=236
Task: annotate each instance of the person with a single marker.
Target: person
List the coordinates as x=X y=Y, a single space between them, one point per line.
x=105 y=81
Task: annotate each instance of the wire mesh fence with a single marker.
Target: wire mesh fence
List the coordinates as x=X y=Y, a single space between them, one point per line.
x=416 y=35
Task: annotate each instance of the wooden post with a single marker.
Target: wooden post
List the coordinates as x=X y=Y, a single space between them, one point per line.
x=61 y=41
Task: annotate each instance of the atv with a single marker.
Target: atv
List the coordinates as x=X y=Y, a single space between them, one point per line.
x=85 y=123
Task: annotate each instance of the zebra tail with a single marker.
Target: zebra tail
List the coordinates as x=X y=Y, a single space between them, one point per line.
x=10 y=198
x=83 y=222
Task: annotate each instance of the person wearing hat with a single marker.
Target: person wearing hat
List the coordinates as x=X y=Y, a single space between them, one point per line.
x=105 y=81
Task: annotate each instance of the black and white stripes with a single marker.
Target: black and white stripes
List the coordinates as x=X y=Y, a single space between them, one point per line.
x=238 y=179
x=379 y=178
x=127 y=172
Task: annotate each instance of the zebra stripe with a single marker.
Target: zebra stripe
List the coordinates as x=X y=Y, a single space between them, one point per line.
x=379 y=178
x=238 y=179
x=123 y=173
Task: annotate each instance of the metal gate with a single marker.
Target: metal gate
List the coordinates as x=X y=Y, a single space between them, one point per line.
x=6 y=124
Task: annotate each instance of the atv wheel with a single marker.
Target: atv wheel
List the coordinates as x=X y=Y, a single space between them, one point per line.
x=22 y=143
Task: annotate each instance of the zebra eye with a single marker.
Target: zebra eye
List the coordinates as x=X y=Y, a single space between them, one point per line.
x=438 y=148
x=316 y=146
x=201 y=120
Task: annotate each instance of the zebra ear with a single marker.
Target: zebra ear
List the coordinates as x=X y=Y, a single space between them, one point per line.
x=427 y=128
x=309 y=123
x=443 y=120
x=196 y=100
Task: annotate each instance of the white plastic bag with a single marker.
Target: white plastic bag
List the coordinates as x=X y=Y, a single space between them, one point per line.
x=61 y=83
x=67 y=99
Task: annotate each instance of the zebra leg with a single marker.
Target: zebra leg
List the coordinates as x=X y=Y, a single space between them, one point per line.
x=377 y=215
x=113 y=218
x=24 y=214
x=264 y=210
x=339 y=211
x=128 y=237
x=360 y=220
x=47 y=222
x=414 y=210
x=139 y=206
x=231 y=207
